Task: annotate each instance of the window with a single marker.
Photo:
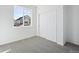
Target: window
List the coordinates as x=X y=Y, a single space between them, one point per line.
x=22 y=16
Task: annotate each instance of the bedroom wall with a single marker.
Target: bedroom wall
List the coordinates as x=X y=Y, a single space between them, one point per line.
x=8 y=33
x=71 y=24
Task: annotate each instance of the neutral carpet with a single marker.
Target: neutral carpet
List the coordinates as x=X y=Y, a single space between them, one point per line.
x=35 y=45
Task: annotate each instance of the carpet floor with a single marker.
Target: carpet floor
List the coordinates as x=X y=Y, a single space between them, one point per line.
x=36 y=45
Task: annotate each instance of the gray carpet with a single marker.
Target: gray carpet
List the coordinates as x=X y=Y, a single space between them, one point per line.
x=34 y=45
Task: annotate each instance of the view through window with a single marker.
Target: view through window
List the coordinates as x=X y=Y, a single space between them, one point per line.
x=22 y=16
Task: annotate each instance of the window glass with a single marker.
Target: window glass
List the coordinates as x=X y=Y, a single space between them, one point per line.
x=22 y=16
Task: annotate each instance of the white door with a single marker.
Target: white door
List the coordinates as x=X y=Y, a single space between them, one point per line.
x=48 y=24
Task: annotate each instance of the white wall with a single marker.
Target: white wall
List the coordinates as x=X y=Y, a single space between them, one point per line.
x=50 y=22
x=48 y=25
x=59 y=26
x=8 y=33
x=68 y=23
x=71 y=24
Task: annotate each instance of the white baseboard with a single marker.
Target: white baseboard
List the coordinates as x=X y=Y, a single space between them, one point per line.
x=7 y=42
